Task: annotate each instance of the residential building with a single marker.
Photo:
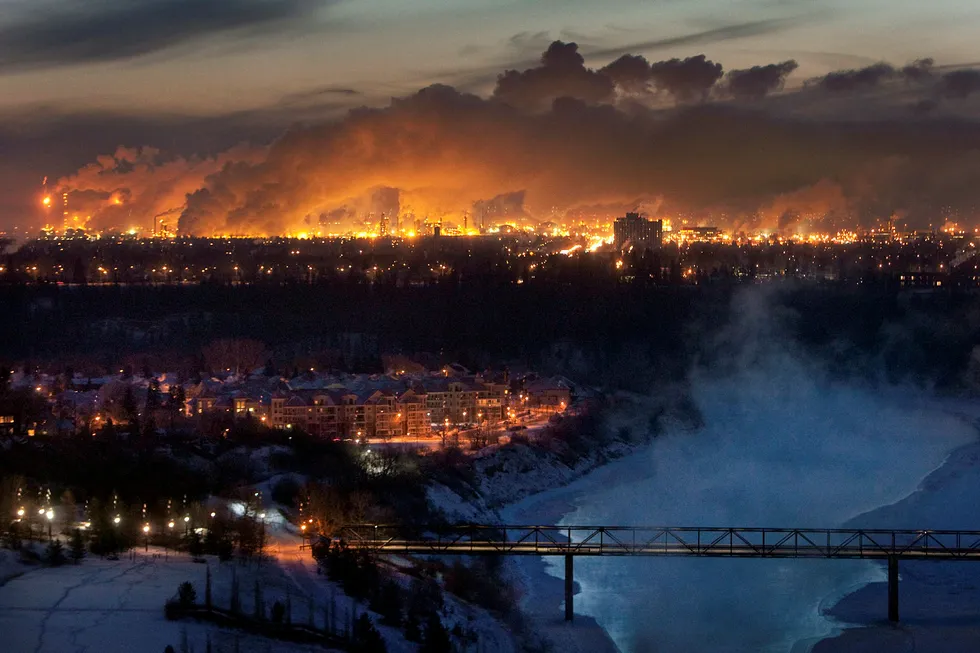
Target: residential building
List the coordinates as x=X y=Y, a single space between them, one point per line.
x=634 y=232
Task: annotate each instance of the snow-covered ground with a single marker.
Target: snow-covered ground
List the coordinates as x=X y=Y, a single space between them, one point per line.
x=543 y=593
x=117 y=606
x=297 y=565
x=10 y=565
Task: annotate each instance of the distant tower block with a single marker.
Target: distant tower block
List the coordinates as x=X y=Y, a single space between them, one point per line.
x=637 y=232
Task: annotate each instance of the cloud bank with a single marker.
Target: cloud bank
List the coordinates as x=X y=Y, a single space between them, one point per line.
x=845 y=149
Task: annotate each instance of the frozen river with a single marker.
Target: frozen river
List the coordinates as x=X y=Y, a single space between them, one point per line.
x=778 y=449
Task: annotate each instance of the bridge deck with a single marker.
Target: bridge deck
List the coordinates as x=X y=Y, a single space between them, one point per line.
x=667 y=541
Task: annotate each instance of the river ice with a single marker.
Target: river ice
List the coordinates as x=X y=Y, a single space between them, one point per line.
x=779 y=449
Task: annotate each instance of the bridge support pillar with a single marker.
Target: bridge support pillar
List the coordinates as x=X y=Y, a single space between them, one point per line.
x=569 y=586
x=893 y=589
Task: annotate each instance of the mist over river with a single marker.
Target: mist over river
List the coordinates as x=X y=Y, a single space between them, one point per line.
x=782 y=446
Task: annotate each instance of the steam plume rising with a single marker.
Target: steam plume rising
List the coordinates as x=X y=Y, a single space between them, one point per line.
x=566 y=136
x=135 y=185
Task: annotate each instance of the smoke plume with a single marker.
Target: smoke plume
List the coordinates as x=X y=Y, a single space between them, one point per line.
x=563 y=136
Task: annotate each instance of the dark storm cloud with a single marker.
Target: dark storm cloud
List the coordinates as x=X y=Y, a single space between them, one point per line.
x=686 y=79
x=477 y=79
x=562 y=73
x=757 y=82
x=919 y=70
x=960 y=84
x=845 y=81
x=108 y=30
x=630 y=73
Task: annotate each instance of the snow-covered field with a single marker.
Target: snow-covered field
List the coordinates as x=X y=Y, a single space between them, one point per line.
x=111 y=606
x=103 y=606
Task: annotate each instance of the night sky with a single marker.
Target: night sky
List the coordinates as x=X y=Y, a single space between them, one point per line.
x=77 y=80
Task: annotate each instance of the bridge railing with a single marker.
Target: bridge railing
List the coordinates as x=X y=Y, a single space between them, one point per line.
x=664 y=541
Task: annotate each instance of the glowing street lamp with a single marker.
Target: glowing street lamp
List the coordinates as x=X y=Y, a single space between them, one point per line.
x=50 y=515
x=20 y=513
x=146 y=537
x=116 y=520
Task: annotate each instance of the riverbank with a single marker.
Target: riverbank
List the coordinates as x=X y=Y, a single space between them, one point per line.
x=727 y=474
x=543 y=595
x=939 y=602
x=523 y=483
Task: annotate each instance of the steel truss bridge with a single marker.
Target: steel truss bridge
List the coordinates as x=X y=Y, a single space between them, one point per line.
x=571 y=541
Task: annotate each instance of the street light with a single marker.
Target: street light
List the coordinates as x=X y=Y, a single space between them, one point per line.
x=116 y=520
x=146 y=537
x=50 y=515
